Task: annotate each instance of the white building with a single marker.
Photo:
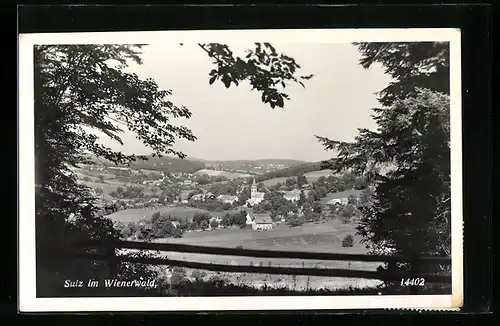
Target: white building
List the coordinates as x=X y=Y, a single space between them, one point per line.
x=228 y=199
x=255 y=196
x=249 y=219
x=342 y=198
x=262 y=222
x=293 y=195
x=216 y=219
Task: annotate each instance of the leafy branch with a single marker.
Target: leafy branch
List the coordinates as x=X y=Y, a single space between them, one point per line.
x=266 y=70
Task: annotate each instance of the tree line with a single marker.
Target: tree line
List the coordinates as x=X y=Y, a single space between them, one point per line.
x=168 y=226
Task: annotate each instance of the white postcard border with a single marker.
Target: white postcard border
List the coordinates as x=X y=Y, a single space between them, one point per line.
x=28 y=302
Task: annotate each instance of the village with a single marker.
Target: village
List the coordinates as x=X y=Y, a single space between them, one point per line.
x=196 y=202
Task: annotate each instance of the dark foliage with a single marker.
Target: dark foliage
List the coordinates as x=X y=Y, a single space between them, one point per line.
x=407 y=159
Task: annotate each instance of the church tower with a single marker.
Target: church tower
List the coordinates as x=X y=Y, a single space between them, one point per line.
x=253 y=189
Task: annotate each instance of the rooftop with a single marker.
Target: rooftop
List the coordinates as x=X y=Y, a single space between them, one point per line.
x=227 y=197
x=262 y=218
x=293 y=193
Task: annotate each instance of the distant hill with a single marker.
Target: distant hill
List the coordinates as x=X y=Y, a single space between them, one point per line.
x=166 y=164
x=292 y=171
x=276 y=161
x=229 y=175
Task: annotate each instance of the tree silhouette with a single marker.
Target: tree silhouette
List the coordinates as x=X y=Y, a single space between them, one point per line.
x=407 y=159
x=84 y=88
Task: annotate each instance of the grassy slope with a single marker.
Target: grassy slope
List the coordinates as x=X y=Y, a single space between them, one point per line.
x=311 y=177
x=229 y=175
x=256 y=162
x=292 y=171
x=135 y=214
x=170 y=164
x=311 y=237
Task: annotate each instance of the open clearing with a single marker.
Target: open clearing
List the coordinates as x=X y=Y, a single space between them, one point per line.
x=315 y=175
x=136 y=214
x=311 y=177
x=110 y=185
x=311 y=237
x=315 y=237
x=229 y=175
x=274 y=181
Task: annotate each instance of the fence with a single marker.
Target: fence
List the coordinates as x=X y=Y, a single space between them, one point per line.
x=113 y=259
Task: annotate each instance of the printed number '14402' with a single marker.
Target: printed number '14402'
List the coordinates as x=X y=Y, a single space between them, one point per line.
x=412 y=282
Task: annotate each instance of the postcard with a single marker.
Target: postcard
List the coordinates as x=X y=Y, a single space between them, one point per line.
x=234 y=170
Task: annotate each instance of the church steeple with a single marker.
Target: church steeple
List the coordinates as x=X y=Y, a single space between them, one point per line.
x=253 y=189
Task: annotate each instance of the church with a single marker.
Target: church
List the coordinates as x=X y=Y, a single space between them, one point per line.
x=255 y=196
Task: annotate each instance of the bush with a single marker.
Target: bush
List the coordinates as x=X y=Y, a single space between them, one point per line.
x=347 y=241
x=345 y=219
x=198 y=275
x=178 y=276
x=177 y=279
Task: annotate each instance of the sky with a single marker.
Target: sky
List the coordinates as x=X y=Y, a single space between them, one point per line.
x=233 y=124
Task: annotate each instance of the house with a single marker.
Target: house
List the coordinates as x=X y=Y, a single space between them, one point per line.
x=198 y=197
x=255 y=196
x=228 y=199
x=262 y=222
x=216 y=219
x=249 y=219
x=342 y=198
x=203 y=197
x=293 y=195
x=209 y=195
x=184 y=196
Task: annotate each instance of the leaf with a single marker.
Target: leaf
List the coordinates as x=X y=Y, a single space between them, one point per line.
x=227 y=81
x=212 y=80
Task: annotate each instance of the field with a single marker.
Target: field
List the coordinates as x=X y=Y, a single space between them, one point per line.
x=315 y=175
x=345 y=194
x=136 y=214
x=311 y=177
x=311 y=237
x=229 y=175
x=110 y=184
x=274 y=181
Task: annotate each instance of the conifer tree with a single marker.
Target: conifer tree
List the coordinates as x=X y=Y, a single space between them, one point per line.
x=407 y=159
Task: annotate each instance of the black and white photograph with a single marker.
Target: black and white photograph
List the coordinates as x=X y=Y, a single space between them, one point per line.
x=240 y=170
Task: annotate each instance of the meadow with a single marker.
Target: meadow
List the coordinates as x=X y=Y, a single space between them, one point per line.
x=216 y=173
x=311 y=237
x=311 y=177
x=315 y=175
x=110 y=182
x=274 y=181
x=136 y=214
